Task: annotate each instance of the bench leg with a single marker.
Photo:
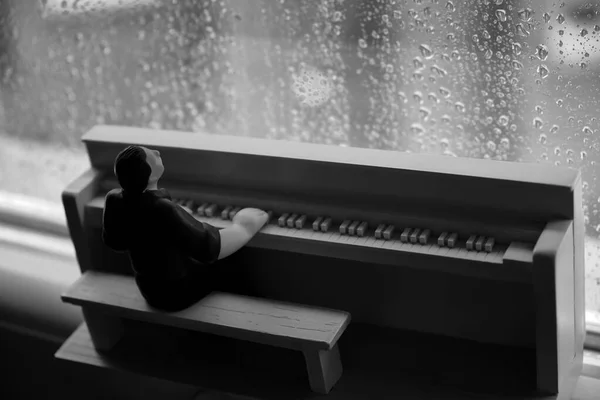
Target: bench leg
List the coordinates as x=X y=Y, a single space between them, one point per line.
x=105 y=330
x=324 y=368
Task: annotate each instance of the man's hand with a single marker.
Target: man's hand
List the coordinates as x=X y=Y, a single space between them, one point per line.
x=253 y=219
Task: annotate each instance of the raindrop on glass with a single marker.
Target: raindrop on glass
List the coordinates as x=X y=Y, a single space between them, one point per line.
x=501 y=14
x=541 y=51
x=543 y=71
x=426 y=51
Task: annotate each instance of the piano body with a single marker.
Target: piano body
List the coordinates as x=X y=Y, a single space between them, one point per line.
x=464 y=270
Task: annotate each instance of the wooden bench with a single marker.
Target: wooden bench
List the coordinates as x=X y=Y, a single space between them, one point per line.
x=108 y=298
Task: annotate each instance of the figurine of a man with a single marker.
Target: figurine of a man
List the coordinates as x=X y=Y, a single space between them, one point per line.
x=171 y=253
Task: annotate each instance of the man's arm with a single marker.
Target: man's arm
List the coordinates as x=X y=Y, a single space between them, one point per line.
x=246 y=223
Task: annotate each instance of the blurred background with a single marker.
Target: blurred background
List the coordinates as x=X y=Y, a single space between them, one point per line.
x=512 y=80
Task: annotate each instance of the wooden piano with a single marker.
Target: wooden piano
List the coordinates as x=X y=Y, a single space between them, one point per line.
x=461 y=275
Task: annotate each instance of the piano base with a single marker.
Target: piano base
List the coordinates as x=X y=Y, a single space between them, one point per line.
x=444 y=368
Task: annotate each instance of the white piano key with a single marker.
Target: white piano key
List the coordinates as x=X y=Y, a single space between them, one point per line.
x=225 y=212
x=370 y=241
x=462 y=252
x=453 y=252
x=362 y=241
x=481 y=255
x=471 y=254
x=352 y=240
x=441 y=251
x=388 y=244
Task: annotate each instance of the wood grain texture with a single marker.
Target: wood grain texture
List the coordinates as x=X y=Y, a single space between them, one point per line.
x=265 y=321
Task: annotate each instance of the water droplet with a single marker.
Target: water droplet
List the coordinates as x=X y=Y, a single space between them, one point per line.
x=538 y=123
x=337 y=16
x=583 y=155
x=525 y=14
x=521 y=31
x=557 y=151
x=417 y=62
x=541 y=51
x=503 y=120
x=459 y=106
x=488 y=54
x=501 y=14
x=444 y=91
x=559 y=102
x=426 y=51
x=418 y=97
x=543 y=71
x=596 y=28
x=543 y=138
x=587 y=130
x=517 y=64
x=362 y=43
x=432 y=97
x=397 y=14
x=450 y=6
x=546 y=17
x=517 y=49
x=584 y=32
x=560 y=18
x=424 y=112
x=491 y=145
x=554 y=129
x=417 y=128
x=438 y=70
x=505 y=143
x=486 y=34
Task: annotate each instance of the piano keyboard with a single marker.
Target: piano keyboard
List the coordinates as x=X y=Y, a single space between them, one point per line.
x=358 y=233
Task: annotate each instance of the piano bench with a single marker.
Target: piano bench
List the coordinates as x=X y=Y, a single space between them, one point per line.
x=108 y=298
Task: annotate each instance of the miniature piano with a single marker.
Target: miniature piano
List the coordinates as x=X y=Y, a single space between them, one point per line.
x=480 y=260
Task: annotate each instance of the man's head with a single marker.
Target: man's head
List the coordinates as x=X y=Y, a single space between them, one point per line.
x=138 y=168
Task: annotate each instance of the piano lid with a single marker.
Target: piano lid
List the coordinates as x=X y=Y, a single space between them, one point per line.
x=354 y=175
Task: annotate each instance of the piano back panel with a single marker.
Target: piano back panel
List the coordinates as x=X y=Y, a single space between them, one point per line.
x=388 y=296
x=469 y=188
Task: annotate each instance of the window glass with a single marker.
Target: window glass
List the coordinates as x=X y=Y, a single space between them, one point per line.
x=499 y=79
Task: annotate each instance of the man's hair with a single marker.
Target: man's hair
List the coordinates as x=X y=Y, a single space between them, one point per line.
x=132 y=170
